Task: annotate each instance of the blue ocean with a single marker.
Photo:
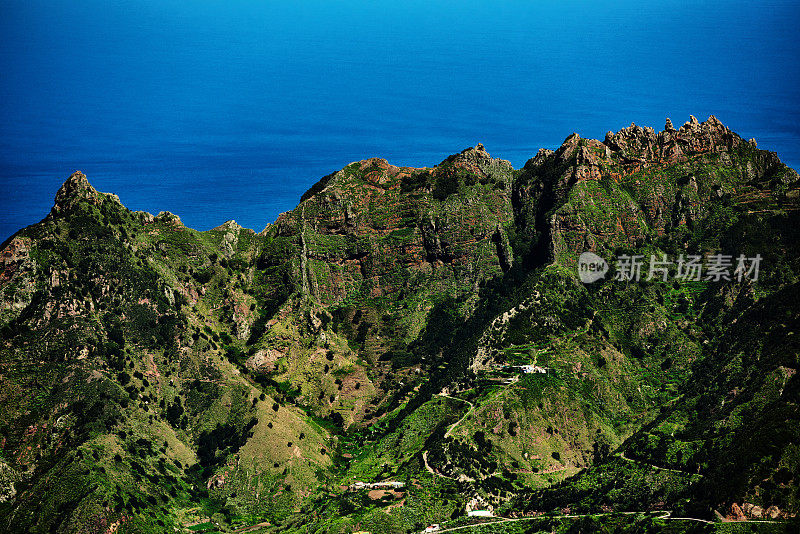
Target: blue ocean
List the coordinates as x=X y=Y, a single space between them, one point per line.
x=231 y=110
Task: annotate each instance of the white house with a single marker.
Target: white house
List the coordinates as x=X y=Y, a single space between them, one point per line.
x=480 y=513
x=533 y=369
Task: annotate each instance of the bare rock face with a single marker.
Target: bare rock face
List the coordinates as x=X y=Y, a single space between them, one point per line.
x=709 y=136
x=635 y=143
x=644 y=146
x=8 y=478
x=13 y=257
x=16 y=266
x=736 y=513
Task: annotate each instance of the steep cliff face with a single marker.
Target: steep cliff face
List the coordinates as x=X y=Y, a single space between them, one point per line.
x=164 y=376
x=373 y=230
x=639 y=185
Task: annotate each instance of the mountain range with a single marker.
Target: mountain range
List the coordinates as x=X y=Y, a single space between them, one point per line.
x=414 y=348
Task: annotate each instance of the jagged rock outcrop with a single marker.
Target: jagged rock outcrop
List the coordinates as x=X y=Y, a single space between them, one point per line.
x=632 y=205
x=644 y=146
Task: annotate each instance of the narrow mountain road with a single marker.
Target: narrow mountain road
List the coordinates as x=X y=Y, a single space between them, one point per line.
x=454 y=425
x=446 y=435
x=622 y=455
x=665 y=514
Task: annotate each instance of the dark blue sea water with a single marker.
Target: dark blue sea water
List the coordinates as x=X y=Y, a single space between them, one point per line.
x=219 y=110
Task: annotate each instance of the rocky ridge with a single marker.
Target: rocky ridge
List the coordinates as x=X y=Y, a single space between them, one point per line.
x=263 y=367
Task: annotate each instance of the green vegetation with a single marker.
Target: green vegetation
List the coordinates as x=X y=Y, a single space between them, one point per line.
x=156 y=378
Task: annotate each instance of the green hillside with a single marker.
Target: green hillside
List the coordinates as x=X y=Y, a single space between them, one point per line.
x=425 y=328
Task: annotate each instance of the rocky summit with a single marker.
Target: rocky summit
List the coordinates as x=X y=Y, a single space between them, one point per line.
x=414 y=348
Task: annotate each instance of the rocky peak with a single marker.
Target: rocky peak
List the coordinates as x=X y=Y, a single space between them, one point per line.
x=476 y=155
x=634 y=142
x=544 y=154
x=696 y=137
x=643 y=146
x=74 y=189
x=569 y=145
x=169 y=218
x=228 y=226
x=477 y=159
